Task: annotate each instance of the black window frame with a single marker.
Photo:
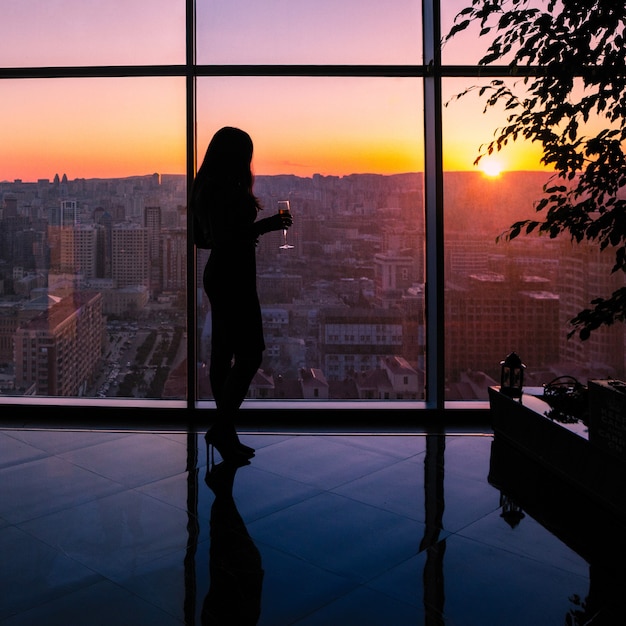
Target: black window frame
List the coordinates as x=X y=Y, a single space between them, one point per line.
x=431 y=72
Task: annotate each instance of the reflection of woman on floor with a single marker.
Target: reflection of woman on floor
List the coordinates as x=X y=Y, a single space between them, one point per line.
x=234 y=597
x=225 y=211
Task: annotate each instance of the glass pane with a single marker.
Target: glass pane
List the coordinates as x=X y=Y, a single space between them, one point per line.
x=301 y=32
x=518 y=295
x=92 y=237
x=343 y=309
x=468 y=46
x=78 y=33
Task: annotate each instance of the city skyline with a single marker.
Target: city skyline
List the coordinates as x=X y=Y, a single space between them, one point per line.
x=346 y=301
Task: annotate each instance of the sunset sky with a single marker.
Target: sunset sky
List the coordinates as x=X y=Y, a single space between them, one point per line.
x=110 y=127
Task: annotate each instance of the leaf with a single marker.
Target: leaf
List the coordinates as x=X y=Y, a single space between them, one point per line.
x=457 y=28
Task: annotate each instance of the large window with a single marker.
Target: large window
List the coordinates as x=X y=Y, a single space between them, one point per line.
x=68 y=33
x=395 y=290
x=298 y=32
x=93 y=240
x=343 y=309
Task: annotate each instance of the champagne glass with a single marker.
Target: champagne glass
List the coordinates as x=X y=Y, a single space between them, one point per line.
x=283 y=209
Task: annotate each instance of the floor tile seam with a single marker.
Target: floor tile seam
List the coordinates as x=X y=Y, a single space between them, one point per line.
x=326 y=490
x=369 y=584
x=350 y=580
x=43 y=454
x=88 y=501
x=373 y=472
x=377 y=507
x=17 y=464
x=113 y=481
x=364 y=585
x=526 y=557
x=9 y=433
x=283 y=509
x=150 y=603
x=338 y=440
x=323 y=606
x=126 y=486
x=460 y=529
x=137 y=487
x=60 y=510
x=286 y=476
x=271 y=473
x=323 y=492
x=142 y=598
x=196 y=516
x=384 y=453
x=57 y=596
x=83 y=445
x=183 y=509
x=59 y=550
x=118 y=579
x=102 y=579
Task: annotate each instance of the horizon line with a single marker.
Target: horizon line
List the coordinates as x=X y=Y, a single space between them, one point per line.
x=129 y=176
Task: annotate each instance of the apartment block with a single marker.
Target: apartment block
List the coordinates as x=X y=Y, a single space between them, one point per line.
x=57 y=353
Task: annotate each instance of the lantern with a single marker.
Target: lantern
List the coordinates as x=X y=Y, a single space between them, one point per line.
x=512 y=376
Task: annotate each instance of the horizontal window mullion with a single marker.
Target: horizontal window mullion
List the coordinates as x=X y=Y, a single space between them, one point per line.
x=105 y=71
x=95 y=71
x=313 y=70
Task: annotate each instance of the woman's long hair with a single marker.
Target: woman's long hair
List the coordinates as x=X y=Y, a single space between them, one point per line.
x=225 y=170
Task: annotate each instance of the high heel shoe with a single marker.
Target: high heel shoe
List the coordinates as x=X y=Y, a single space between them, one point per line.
x=227 y=446
x=224 y=429
x=246 y=449
x=220 y=479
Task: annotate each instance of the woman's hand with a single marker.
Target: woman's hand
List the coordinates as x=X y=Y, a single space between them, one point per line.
x=275 y=222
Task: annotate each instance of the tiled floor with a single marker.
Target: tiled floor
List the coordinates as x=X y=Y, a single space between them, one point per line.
x=116 y=528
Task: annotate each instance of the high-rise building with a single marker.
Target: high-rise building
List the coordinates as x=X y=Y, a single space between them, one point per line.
x=57 y=353
x=69 y=212
x=78 y=251
x=10 y=205
x=585 y=274
x=488 y=317
x=152 y=224
x=395 y=273
x=129 y=263
x=174 y=253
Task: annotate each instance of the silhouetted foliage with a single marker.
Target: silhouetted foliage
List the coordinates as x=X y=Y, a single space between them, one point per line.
x=572 y=100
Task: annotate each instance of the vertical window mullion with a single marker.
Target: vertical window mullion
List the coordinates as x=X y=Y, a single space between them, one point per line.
x=190 y=143
x=433 y=206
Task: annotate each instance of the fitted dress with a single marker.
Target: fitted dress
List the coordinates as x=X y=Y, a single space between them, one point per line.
x=230 y=277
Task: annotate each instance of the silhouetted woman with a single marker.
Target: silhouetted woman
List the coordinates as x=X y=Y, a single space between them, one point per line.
x=225 y=220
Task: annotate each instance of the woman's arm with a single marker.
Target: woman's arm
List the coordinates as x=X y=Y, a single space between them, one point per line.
x=274 y=222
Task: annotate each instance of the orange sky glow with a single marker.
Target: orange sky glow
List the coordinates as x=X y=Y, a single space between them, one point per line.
x=105 y=128
x=115 y=127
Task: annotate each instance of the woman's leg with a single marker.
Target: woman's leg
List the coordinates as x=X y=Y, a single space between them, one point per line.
x=234 y=392
x=219 y=369
x=238 y=381
x=230 y=381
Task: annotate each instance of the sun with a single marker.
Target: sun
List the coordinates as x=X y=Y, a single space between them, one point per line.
x=491 y=167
